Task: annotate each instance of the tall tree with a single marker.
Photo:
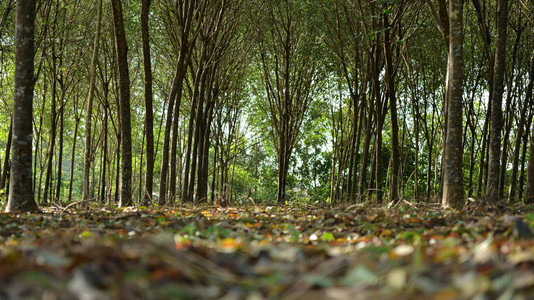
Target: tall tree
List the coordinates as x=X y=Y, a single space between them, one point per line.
x=453 y=190
x=89 y=109
x=21 y=197
x=394 y=192
x=520 y=134
x=149 y=98
x=492 y=186
x=288 y=75
x=124 y=94
x=179 y=16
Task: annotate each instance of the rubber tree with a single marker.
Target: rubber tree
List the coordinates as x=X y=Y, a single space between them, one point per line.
x=496 y=127
x=288 y=74
x=89 y=108
x=124 y=100
x=21 y=197
x=453 y=192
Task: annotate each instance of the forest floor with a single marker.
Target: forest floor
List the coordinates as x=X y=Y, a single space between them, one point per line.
x=268 y=252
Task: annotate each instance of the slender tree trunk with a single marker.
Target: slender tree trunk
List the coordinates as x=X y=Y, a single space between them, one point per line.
x=365 y=154
x=188 y=9
x=354 y=146
x=202 y=179
x=482 y=172
x=189 y=166
x=7 y=158
x=140 y=166
x=89 y=109
x=53 y=131
x=103 y=193
x=195 y=162
x=149 y=98
x=492 y=186
x=510 y=116
x=283 y=168
x=72 y=157
x=216 y=167
x=176 y=89
x=117 y=169
x=38 y=149
x=21 y=197
x=526 y=146
x=176 y=121
x=521 y=130
x=60 y=147
x=453 y=192
x=390 y=80
x=529 y=193
x=124 y=88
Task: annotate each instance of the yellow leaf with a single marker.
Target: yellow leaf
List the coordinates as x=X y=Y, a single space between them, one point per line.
x=386 y=233
x=230 y=243
x=87 y=234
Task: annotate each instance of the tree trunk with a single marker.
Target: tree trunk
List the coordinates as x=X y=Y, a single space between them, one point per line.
x=60 y=147
x=510 y=115
x=492 y=186
x=21 y=197
x=390 y=81
x=453 y=192
x=89 y=109
x=366 y=152
x=72 y=156
x=176 y=90
x=526 y=147
x=189 y=165
x=103 y=193
x=529 y=193
x=175 y=123
x=521 y=130
x=124 y=88
x=7 y=158
x=149 y=98
x=53 y=131
x=199 y=121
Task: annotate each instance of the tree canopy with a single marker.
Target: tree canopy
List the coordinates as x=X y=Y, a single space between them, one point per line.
x=274 y=101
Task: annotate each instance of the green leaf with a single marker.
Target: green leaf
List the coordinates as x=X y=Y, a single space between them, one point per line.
x=86 y=234
x=327 y=237
x=189 y=229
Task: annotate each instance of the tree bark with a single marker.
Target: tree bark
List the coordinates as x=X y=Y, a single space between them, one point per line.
x=521 y=131
x=529 y=193
x=492 y=186
x=60 y=147
x=103 y=190
x=124 y=89
x=189 y=164
x=7 y=158
x=453 y=192
x=53 y=131
x=21 y=196
x=390 y=81
x=149 y=99
x=73 y=155
x=89 y=109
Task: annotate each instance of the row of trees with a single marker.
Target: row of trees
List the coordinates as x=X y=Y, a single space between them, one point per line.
x=218 y=100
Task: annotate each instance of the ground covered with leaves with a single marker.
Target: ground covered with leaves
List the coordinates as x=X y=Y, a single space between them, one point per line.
x=268 y=252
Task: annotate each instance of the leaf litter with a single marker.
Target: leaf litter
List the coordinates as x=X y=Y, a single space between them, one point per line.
x=266 y=252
